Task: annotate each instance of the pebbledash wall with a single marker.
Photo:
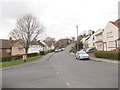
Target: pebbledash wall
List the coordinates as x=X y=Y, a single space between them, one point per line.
x=110 y=37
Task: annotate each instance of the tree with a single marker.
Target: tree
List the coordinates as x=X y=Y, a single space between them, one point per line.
x=27 y=29
x=80 y=45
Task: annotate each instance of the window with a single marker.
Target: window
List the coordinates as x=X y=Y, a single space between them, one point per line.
x=8 y=50
x=111 y=44
x=110 y=34
x=100 y=46
x=20 y=48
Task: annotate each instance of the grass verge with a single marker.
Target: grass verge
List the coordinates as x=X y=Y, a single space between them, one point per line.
x=20 y=61
x=0 y=64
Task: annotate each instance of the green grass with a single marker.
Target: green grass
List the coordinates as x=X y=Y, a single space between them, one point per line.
x=0 y=65
x=20 y=61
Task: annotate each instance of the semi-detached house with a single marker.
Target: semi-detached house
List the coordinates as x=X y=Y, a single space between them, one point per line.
x=111 y=36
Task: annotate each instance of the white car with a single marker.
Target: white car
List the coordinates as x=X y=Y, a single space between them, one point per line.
x=82 y=55
x=56 y=50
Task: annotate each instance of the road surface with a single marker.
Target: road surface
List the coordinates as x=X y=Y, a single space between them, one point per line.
x=61 y=70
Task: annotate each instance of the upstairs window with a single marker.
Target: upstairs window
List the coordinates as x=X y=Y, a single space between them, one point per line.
x=110 y=34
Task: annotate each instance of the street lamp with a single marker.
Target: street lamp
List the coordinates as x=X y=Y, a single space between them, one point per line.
x=77 y=35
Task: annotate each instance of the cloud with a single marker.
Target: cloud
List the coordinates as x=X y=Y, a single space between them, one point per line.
x=61 y=16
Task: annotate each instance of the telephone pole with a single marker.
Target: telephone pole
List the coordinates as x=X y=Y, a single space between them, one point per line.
x=77 y=36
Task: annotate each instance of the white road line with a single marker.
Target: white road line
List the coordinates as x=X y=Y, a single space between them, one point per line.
x=57 y=72
x=68 y=84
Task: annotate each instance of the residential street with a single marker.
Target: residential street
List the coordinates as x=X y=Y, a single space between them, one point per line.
x=62 y=70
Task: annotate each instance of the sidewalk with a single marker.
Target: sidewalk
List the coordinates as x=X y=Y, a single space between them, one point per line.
x=104 y=60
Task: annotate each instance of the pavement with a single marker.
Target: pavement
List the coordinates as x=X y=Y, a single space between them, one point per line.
x=61 y=70
x=105 y=60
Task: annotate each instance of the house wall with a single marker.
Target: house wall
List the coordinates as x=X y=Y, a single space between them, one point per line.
x=34 y=49
x=99 y=42
x=99 y=46
x=17 y=50
x=110 y=34
x=5 y=52
x=99 y=39
x=91 y=42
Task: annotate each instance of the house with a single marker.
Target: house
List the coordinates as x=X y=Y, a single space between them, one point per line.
x=35 y=47
x=17 y=48
x=5 y=48
x=98 y=36
x=49 y=45
x=111 y=36
x=61 y=43
x=85 y=41
x=91 y=41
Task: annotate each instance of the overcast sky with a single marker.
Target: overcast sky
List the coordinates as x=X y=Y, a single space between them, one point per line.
x=60 y=17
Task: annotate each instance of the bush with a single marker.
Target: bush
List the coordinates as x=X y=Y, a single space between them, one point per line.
x=32 y=54
x=16 y=57
x=10 y=58
x=5 y=59
x=52 y=50
x=108 y=55
x=42 y=52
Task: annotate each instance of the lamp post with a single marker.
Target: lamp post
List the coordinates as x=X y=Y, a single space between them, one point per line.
x=77 y=35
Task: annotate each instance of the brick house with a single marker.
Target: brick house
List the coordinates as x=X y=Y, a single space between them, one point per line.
x=5 y=48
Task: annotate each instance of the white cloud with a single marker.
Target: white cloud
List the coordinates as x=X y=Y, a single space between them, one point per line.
x=60 y=16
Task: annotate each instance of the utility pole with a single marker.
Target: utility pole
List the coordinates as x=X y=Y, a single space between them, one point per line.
x=77 y=35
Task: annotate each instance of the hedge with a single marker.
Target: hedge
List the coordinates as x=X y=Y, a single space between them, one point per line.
x=16 y=57
x=10 y=58
x=108 y=55
x=32 y=54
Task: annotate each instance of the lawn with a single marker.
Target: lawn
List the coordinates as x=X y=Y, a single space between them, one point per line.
x=20 y=61
x=0 y=65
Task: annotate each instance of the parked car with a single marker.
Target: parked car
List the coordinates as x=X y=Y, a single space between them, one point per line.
x=83 y=50
x=56 y=50
x=62 y=49
x=89 y=50
x=81 y=55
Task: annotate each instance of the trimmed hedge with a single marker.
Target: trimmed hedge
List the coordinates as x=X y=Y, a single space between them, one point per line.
x=32 y=54
x=108 y=55
x=16 y=57
x=10 y=58
x=42 y=52
x=45 y=52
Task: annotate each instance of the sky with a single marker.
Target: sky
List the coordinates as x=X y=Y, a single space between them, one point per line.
x=59 y=17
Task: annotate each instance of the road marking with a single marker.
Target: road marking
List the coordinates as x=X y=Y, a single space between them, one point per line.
x=68 y=84
x=57 y=72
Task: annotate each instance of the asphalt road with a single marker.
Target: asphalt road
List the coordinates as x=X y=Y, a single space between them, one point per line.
x=61 y=70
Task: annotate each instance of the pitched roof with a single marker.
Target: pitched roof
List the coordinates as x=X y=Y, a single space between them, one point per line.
x=116 y=23
x=99 y=32
x=4 y=43
x=41 y=43
x=34 y=42
x=49 y=43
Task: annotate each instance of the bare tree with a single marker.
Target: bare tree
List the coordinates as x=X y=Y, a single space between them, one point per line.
x=27 y=29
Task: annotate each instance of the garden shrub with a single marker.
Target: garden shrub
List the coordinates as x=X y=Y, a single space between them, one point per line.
x=108 y=55
x=16 y=57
